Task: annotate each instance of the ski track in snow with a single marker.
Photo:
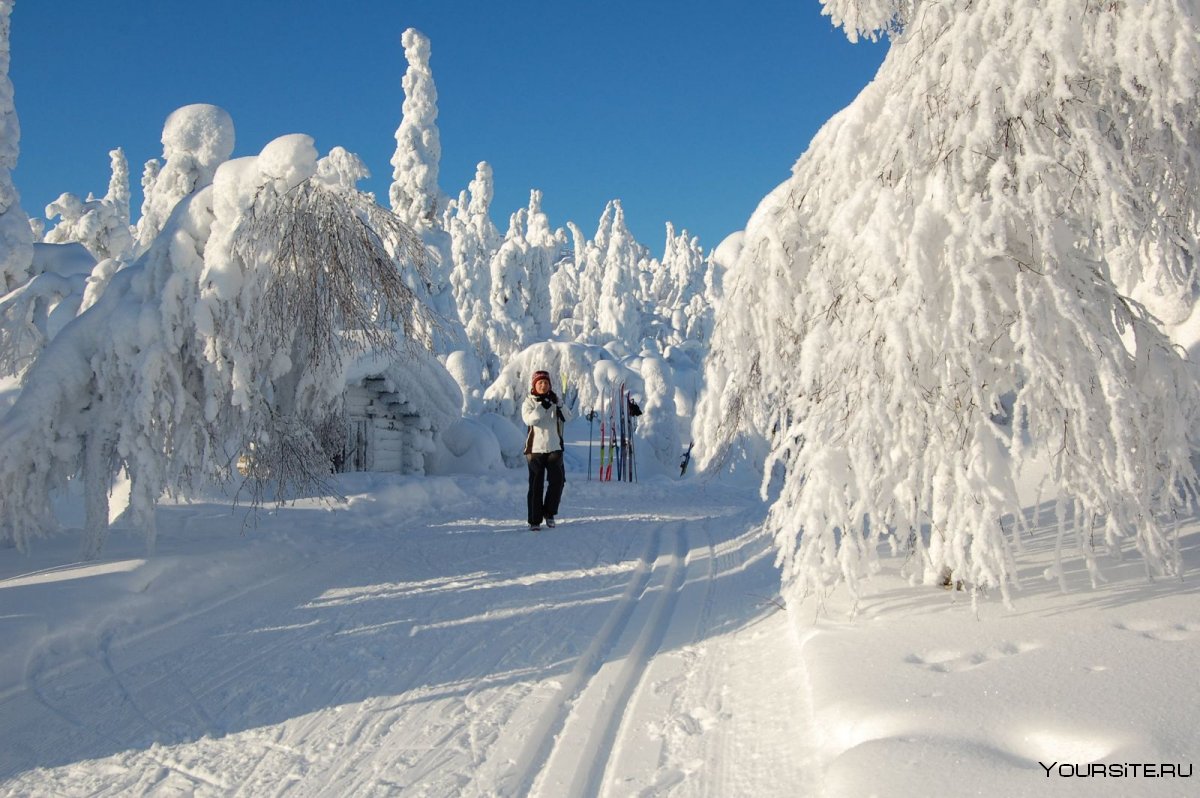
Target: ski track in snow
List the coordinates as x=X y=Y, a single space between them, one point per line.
x=450 y=655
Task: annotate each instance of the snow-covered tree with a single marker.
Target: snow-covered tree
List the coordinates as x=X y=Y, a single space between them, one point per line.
x=612 y=283
x=657 y=426
x=228 y=336
x=619 y=315
x=101 y=225
x=589 y=266
x=938 y=298
x=475 y=241
x=677 y=293
x=415 y=197
x=118 y=196
x=564 y=287
x=520 y=285
x=196 y=140
x=414 y=193
x=150 y=172
x=16 y=236
x=541 y=259
x=510 y=328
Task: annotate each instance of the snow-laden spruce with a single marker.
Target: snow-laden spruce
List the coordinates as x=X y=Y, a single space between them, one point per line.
x=16 y=237
x=520 y=280
x=474 y=242
x=939 y=296
x=414 y=193
x=415 y=196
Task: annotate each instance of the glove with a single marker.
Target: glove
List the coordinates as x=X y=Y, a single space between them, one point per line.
x=544 y=402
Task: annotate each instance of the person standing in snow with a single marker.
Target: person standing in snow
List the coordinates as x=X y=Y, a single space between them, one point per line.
x=545 y=415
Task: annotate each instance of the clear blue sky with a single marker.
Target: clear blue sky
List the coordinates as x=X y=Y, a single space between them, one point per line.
x=688 y=112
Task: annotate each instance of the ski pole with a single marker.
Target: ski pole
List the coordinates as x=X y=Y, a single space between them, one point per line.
x=591 y=415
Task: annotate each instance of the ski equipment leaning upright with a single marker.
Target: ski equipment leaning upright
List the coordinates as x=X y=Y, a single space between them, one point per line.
x=687 y=456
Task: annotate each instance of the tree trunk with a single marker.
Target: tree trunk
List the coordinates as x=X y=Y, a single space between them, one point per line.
x=97 y=452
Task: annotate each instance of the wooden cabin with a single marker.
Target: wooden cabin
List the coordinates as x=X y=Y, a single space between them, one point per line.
x=383 y=430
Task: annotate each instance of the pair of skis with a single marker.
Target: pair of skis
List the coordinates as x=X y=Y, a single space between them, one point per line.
x=617 y=413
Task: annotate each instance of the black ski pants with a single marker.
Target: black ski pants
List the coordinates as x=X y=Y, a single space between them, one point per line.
x=543 y=501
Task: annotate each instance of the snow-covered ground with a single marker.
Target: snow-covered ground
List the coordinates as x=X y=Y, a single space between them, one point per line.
x=419 y=640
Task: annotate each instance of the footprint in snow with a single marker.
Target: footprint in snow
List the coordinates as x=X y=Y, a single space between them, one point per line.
x=953 y=661
x=1162 y=631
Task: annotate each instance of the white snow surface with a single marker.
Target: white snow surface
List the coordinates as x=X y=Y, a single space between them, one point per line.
x=419 y=640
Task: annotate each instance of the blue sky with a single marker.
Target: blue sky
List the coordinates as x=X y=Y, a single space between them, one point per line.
x=687 y=112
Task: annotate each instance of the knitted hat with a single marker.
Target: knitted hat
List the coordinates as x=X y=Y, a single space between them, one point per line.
x=539 y=375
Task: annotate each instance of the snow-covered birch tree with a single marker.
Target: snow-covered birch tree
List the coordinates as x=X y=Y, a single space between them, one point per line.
x=939 y=296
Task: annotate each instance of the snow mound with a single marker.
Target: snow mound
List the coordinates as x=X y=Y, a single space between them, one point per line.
x=468 y=447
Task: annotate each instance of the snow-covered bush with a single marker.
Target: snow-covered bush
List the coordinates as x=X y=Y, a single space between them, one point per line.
x=464 y=366
x=658 y=425
x=938 y=297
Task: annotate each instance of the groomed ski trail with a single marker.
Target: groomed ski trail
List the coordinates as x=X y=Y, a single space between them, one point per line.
x=591 y=699
x=441 y=655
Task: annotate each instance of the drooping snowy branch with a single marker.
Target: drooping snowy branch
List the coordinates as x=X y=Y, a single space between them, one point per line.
x=869 y=18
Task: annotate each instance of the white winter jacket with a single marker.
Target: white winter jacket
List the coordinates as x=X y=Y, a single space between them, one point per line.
x=545 y=425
